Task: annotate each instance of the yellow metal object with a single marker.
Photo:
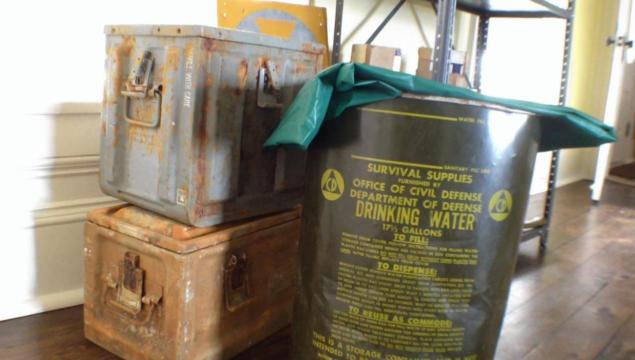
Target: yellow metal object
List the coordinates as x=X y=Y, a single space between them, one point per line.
x=286 y=21
x=280 y=28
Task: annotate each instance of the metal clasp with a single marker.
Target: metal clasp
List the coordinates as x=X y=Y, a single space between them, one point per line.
x=129 y=290
x=139 y=77
x=269 y=86
x=138 y=86
x=236 y=282
x=620 y=41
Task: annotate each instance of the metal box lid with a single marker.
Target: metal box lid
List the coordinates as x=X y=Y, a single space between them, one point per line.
x=238 y=36
x=175 y=236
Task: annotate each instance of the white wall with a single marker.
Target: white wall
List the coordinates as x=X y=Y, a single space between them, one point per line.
x=51 y=182
x=524 y=61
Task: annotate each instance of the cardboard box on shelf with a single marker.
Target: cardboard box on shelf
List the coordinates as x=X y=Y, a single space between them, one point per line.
x=426 y=53
x=424 y=67
x=457 y=80
x=382 y=56
x=456 y=61
x=457 y=57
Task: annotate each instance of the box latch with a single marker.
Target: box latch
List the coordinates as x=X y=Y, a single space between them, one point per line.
x=138 y=86
x=128 y=292
x=269 y=86
x=131 y=279
x=236 y=282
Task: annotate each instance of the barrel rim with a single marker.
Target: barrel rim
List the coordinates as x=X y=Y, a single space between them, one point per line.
x=459 y=101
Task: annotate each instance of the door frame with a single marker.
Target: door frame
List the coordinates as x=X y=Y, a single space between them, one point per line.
x=614 y=95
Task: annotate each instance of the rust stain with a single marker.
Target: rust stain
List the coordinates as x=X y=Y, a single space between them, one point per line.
x=148 y=137
x=104 y=96
x=209 y=45
x=200 y=179
x=202 y=211
x=299 y=68
x=308 y=47
x=189 y=49
x=209 y=100
x=173 y=59
x=170 y=69
x=242 y=73
x=115 y=138
x=166 y=113
x=119 y=55
x=261 y=61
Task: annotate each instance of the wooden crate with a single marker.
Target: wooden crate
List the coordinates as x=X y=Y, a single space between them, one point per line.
x=158 y=289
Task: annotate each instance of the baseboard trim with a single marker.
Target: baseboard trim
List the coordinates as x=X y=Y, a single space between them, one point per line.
x=569 y=180
x=619 y=180
x=65 y=166
x=42 y=303
x=620 y=163
x=560 y=183
x=64 y=212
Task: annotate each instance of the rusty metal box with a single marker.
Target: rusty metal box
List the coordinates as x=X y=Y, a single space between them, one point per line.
x=186 y=111
x=158 y=289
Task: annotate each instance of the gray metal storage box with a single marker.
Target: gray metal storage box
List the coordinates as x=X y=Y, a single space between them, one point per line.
x=185 y=114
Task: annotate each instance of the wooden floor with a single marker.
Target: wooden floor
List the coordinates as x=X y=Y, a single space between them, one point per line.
x=575 y=302
x=626 y=171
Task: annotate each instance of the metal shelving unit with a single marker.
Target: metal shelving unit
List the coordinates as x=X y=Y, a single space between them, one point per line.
x=486 y=10
x=526 y=9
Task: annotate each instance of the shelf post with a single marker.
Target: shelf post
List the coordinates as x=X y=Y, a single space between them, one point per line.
x=553 y=169
x=443 y=40
x=481 y=47
x=337 y=32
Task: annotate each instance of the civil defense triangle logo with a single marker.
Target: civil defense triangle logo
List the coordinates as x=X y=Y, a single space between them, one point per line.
x=500 y=205
x=332 y=184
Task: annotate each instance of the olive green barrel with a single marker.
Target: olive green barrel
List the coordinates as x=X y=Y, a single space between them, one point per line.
x=413 y=211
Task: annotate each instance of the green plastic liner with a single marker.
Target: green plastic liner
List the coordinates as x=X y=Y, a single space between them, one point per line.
x=342 y=86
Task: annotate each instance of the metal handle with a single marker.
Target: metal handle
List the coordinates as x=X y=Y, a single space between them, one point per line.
x=156 y=119
x=138 y=86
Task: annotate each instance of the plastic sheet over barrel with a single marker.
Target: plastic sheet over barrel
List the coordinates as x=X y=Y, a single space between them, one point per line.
x=413 y=211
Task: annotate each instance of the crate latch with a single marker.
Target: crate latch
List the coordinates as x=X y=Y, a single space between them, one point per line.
x=139 y=86
x=128 y=291
x=131 y=279
x=269 y=86
x=236 y=283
